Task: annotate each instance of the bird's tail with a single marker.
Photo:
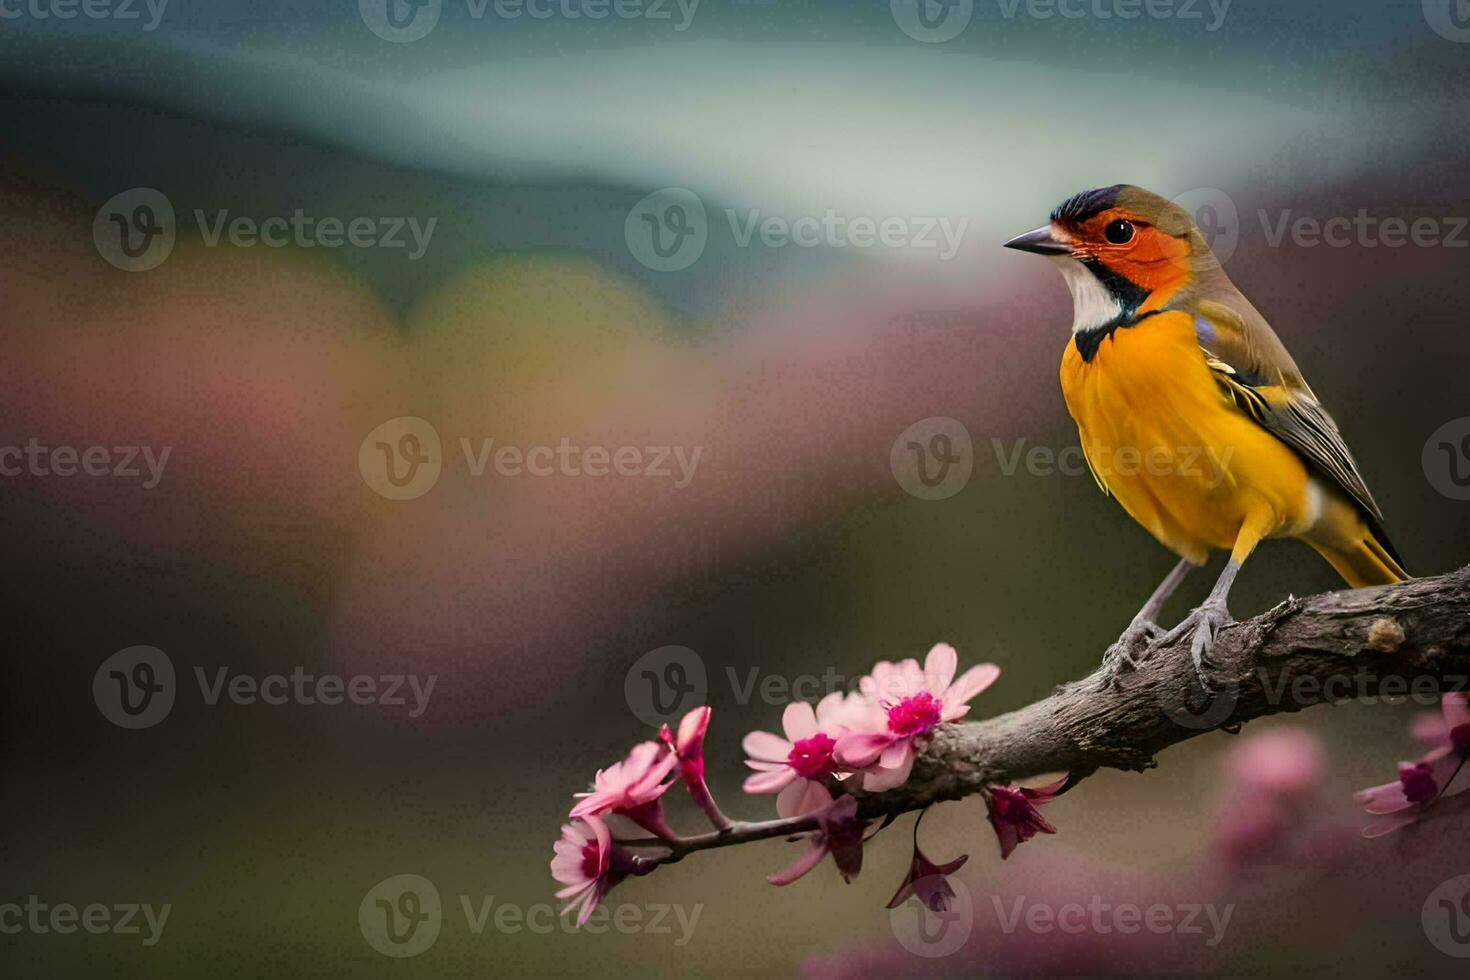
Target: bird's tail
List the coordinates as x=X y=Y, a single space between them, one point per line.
x=1369 y=561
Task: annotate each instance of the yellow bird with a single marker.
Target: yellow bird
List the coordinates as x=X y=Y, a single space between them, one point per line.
x=1192 y=413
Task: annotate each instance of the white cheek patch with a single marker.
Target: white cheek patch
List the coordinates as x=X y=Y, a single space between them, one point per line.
x=1092 y=303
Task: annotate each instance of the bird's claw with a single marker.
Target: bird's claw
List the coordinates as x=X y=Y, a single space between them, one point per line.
x=1203 y=625
x=1120 y=656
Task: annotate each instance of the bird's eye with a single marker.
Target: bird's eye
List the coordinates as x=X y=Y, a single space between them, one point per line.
x=1119 y=232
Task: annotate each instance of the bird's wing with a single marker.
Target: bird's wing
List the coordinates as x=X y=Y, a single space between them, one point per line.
x=1253 y=367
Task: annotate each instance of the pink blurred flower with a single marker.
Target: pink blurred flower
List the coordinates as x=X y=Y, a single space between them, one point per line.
x=786 y=765
x=1013 y=814
x=927 y=880
x=632 y=787
x=840 y=834
x=1277 y=762
x=904 y=703
x=1268 y=812
x=589 y=864
x=1433 y=775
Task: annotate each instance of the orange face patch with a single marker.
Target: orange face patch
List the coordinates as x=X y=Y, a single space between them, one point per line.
x=1134 y=249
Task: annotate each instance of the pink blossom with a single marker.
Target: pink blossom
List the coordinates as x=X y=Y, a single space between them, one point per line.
x=1276 y=762
x=589 y=864
x=1013 y=814
x=786 y=765
x=927 y=880
x=687 y=746
x=1422 y=782
x=903 y=704
x=840 y=833
x=1268 y=808
x=632 y=787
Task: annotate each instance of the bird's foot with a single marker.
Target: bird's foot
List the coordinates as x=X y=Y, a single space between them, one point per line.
x=1121 y=655
x=1202 y=625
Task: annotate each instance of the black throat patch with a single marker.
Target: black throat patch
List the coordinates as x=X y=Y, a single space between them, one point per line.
x=1130 y=297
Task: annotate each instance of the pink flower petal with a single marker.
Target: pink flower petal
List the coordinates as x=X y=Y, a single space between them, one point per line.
x=803 y=797
x=939 y=668
x=895 y=754
x=879 y=780
x=799 y=721
x=692 y=728
x=809 y=859
x=861 y=750
x=766 y=747
x=1388 y=798
x=763 y=766
x=969 y=684
x=1389 y=824
x=769 y=782
x=830 y=712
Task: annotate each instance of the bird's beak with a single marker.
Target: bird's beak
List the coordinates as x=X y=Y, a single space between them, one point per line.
x=1040 y=241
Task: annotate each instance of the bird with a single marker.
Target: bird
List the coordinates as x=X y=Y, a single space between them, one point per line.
x=1192 y=414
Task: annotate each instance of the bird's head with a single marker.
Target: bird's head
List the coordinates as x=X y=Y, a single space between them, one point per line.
x=1122 y=250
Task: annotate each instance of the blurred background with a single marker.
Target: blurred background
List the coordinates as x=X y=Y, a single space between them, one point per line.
x=757 y=243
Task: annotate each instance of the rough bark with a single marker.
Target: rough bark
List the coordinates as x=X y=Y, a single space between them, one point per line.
x=1386 y=641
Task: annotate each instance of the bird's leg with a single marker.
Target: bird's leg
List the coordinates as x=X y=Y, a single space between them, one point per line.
x=1145 y=625
x=1205 y=622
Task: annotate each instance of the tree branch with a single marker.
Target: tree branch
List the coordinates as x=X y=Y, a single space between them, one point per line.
x=1389 y=641
x=1385 y=641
